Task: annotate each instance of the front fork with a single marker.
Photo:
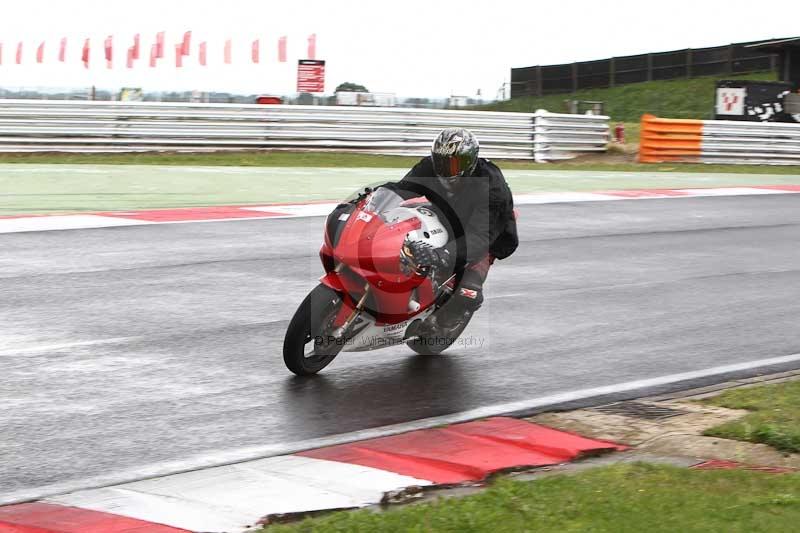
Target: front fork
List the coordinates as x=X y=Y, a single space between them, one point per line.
x=349 y=314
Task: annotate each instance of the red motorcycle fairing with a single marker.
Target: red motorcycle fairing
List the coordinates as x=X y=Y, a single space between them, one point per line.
x=332 y=280
x=326 y=256
x=369 y=252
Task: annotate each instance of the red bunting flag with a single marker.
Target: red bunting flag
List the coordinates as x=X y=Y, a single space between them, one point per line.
x=179 y=55
x=153 y=54
x=62 y=50
x=19 y=53
x=228 y=47
x=202 y=53
x=136 y=46
x=312 y=46
x=187 y=42
x=282 y=49
x=131 y=56
x=85 y=53
x=40 y=53
x=109 y=45
x=254 y=52
x=160 y=44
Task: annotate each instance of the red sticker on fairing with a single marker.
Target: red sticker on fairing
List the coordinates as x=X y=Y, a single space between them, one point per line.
x=469 y=293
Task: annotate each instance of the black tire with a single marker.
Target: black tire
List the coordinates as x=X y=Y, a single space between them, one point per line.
x=435 y=344
x=313 y=319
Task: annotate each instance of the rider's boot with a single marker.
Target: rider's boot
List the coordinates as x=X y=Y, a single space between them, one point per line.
x=447 y=320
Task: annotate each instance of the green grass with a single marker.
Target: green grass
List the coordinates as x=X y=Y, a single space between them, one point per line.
x=616 y=499
x=632 y=131
x=241 y=159
x=687 y=98
x=775 y=417
x=33 y=189
x=349 y=160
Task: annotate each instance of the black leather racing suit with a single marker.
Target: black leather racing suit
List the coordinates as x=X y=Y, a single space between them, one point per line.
x=480 y=213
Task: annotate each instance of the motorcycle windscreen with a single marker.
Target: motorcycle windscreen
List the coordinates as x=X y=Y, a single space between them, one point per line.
x=383 y=201
x=374 y=235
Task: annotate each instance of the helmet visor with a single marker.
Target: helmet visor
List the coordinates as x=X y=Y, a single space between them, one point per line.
x=448 y=166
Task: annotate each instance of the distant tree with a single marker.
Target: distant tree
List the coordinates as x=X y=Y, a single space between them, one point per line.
x=305 y=99
x=416 y=102
x=171 y=96
x=351 y=88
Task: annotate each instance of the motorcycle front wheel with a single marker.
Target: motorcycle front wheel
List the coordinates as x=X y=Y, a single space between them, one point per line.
x=308 y=346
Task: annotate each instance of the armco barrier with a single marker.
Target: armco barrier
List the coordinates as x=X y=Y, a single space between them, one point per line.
x=562 y=136
x=718 y=141
x=83 y=126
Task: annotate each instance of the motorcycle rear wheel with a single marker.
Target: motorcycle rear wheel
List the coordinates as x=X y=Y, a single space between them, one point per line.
x=312 y=324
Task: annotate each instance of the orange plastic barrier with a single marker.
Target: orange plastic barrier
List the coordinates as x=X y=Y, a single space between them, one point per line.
x=665 y=139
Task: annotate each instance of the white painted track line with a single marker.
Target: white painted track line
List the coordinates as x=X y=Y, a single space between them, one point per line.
x=732 y=191
x=299 y=210
x=63 y=346
x=563 y=197
x=62 y=222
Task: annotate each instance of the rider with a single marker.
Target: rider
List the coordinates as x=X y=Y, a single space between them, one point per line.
x=476 y=200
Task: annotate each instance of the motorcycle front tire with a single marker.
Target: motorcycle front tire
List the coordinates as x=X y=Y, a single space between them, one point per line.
x=312 y=320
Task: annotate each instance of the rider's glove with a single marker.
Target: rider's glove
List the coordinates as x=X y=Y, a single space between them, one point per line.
x=425 y=255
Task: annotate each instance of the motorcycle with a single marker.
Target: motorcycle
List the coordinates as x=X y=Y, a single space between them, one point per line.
x=373 y=293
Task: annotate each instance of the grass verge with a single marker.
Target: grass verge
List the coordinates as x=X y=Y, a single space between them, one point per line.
x=351 y=160
x=36 y=189
x=239 y=159
x=620 y=498
x=775 y=417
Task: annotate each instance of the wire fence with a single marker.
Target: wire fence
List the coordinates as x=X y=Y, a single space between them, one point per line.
x=690 y=63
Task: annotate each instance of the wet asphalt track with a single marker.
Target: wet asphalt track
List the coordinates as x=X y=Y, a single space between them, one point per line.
x=125 y=347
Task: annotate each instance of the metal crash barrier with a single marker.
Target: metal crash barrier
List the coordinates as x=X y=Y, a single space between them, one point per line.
x=90 y=126
x=718 y=141
x=563 y=136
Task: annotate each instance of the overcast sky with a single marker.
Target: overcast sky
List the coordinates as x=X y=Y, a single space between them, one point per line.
x=411 y=48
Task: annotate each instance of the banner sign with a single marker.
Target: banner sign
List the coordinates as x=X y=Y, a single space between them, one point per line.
x=310 y=76
x=730 y=100
x=754 y=101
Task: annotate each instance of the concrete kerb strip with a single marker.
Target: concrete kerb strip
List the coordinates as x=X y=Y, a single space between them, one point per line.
x=187 y=499
x=555 y=402
x=110 y=219
x=234 y=498
x=636 y=454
